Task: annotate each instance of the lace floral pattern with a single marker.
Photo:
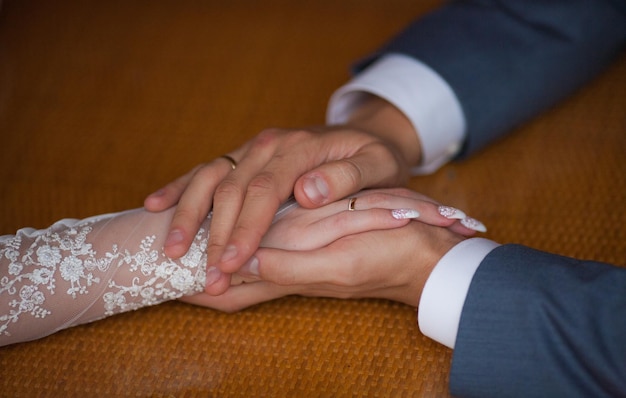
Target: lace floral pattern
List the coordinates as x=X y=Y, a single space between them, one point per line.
x=161 y=278
x=121 y=280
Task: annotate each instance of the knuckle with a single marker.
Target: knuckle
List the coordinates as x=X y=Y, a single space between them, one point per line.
x=351 y=173
x=205 y=172
x=267 y=137
x=197 y=168
x=262 y=183
x=375 y=198
x=188 y=214
x=300 y=136
x=281 y=156
x=284 y=140
x=296 y=147
x=228 y=188
x=252 y=233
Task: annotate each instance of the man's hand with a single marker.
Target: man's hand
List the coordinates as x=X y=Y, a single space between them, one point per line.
x=391 y=264
x=318 y=165
x=384 y=248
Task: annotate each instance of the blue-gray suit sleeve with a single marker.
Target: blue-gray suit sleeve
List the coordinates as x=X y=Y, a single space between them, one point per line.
x=537 y=324
x=507 y=60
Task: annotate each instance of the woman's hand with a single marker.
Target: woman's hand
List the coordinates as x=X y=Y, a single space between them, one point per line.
x=308 y=229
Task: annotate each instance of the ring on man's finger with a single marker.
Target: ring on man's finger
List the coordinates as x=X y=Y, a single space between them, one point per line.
x=351 y=204
x=233 y=162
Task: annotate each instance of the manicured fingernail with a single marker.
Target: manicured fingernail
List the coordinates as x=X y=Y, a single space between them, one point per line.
x=251 y=267
x=229 y=253
x=401 y=214
x=175 y=237
x=212 y=275
x=474 y=224
x=451 y=212
x=316 y=189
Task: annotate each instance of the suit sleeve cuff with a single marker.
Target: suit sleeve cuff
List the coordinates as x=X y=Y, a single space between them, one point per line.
x=417 y=91
x=441 y=304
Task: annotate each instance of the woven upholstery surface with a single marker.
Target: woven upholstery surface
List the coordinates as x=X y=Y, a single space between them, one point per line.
x=103 y=102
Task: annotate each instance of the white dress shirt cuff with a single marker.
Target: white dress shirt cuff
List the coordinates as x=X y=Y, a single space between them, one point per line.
x=441 y=304
x=420 y=93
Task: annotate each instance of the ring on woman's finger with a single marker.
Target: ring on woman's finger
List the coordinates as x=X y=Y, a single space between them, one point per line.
x=351 y=204
x=233 y=162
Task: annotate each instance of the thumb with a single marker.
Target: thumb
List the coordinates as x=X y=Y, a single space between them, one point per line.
x=334 y=180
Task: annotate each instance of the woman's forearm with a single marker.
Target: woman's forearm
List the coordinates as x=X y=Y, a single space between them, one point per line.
x=77 y=271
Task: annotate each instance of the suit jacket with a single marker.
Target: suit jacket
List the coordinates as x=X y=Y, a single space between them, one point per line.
x=538 y=324
x=508 y=60
x=533 y=323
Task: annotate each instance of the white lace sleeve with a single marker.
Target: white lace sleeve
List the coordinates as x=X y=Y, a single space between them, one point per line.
x=77 y=271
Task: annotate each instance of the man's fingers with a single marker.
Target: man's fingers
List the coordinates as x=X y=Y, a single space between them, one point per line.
x=228 y=207
x=266 y=193
x=217 y=282
x=193 y=207
x=269 y=186
x=169 y=195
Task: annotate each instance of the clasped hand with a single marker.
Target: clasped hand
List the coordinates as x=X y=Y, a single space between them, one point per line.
x=376 y=251
x=318 y=166
x=320 y=249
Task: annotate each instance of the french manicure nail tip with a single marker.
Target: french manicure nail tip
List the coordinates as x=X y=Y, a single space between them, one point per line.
x=451 y=212
x=401 y=214
x=474 y=224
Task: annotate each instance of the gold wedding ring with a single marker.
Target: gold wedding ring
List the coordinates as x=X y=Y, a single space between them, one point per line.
x=233 y=162
x=351 y=204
